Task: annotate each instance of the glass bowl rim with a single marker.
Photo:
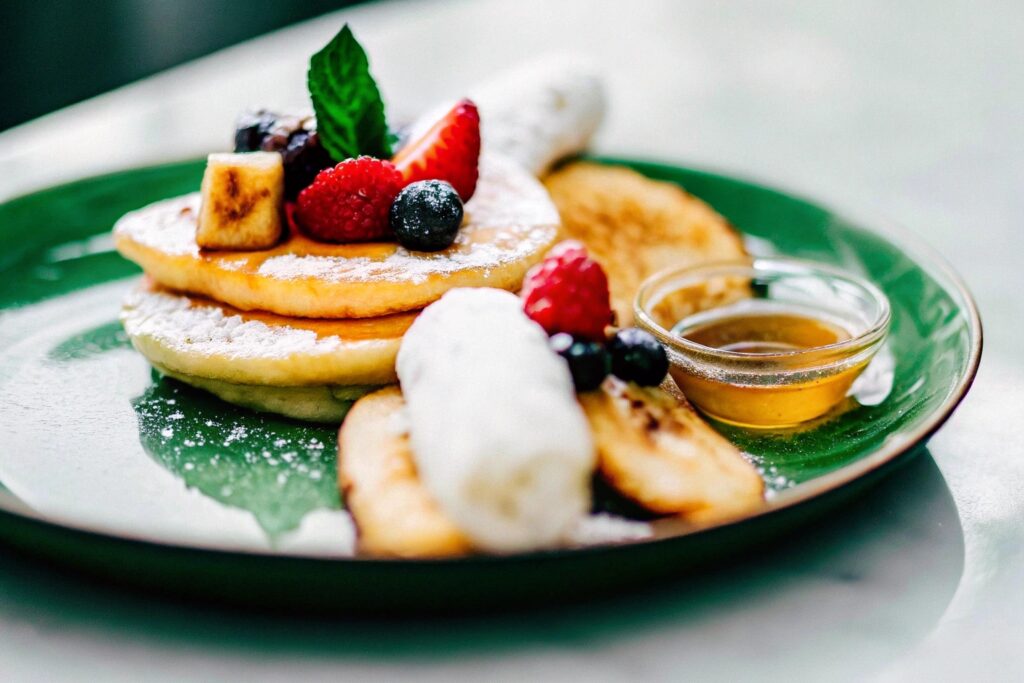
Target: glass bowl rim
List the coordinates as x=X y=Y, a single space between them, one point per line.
x=874 y=333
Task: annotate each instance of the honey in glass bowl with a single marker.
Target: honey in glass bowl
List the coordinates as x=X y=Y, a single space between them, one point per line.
x=772 y=343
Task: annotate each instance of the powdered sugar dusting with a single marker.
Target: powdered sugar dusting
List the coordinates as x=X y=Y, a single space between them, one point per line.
x=200 y=338
x=509 y=220
x=174 y=321
x=604 y=529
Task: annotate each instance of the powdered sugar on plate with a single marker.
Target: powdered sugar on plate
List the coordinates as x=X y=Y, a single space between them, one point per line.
x=605 y=529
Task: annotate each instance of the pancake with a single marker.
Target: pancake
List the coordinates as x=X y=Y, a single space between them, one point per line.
x=196 y=337
x=635 y=226
x=510 y=223
x=311 y=403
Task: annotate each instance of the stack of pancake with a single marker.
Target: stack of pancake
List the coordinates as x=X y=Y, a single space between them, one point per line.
x=305 y=328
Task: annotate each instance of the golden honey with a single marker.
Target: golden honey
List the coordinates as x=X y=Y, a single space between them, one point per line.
x=770 y=335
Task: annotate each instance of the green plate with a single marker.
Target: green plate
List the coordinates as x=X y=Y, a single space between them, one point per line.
x=107 y=468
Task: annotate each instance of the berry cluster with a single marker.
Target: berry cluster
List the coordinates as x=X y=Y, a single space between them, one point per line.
x=416 y=198
x=293 y=136
x=567 y=295
x=350 y=202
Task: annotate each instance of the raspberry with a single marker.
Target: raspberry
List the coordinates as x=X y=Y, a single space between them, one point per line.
x=350 y=202
x=568 y=292
x=449 y=151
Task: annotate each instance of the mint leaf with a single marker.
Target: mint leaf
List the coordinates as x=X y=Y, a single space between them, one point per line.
x=349 y=110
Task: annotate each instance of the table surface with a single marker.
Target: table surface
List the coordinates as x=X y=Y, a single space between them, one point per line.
x=912 y=110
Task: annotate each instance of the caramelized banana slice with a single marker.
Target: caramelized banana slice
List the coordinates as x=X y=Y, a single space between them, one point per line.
x=394 y=514
x=242 y=201
x=655 y=450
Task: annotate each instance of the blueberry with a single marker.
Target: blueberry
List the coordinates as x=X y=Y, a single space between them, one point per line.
x=426 y=215
x=588 y=360
x=251 y=128
x=638 y=357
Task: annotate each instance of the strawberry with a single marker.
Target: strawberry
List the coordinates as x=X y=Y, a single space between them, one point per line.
x=449 y=151
x=568 y=292
x=349 y=202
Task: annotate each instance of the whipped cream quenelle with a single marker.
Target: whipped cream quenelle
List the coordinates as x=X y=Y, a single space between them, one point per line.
x=536 y=113
x=497 y=435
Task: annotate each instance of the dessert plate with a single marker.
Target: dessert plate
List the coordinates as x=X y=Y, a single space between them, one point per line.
x=109 y=469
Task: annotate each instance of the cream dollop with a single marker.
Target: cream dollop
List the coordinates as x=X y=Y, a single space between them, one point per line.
x=496 y=433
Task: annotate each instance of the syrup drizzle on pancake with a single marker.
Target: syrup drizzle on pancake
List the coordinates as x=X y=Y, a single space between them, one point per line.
x=510 y=222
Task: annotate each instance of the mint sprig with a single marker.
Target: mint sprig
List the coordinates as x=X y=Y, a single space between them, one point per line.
x=349 y=110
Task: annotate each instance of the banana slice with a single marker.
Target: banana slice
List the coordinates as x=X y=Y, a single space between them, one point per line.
x=655 y=450
x=509 y=224
x=394 y=514
x=635 y=227
x=243 y=197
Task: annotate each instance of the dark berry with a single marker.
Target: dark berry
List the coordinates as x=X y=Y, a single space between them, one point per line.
x=293 y=136
x=426 y=215
x=588 y=360
x=251 y=128
x=274 y=136
x=638 y=357
x=303 y=159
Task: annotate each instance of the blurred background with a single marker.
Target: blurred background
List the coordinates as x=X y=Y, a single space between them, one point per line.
x=57 y=52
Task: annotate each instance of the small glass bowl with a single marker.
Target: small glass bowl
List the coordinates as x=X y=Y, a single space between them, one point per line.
x=775 y=388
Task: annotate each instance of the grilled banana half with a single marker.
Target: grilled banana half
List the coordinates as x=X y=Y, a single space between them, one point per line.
x=394 y=514
x=635 y=227
x=654 y=449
